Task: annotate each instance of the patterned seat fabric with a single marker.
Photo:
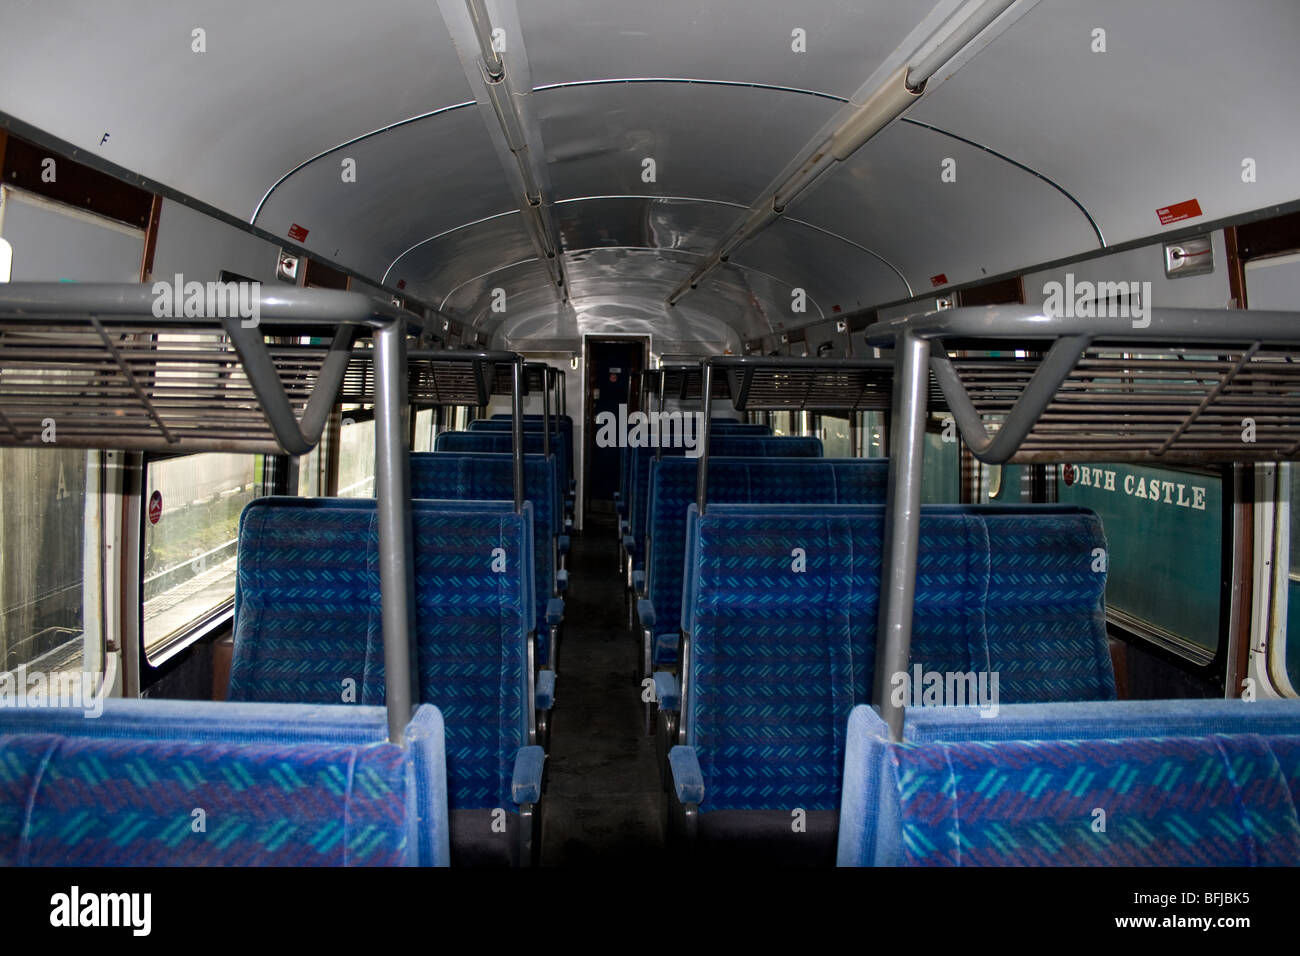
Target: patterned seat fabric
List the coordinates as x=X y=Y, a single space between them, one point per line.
x=720 y=446
x=502 y=443
x=1128 y=783
x=672 y=490
x=487 y=477
x=534 y=423
x=1191 y=801
x=784 y=618
x=113 y=802
x=473 y=610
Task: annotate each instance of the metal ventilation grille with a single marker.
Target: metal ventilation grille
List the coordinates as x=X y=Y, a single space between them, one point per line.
x=433 y=378
x=88 y=382
x=503 y=379
x=1160 y=403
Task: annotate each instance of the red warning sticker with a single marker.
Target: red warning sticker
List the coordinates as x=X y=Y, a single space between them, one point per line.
x=297 y=233
x=155 y=507
x=940 y=279
x=1178 y=212
x=1067 y=473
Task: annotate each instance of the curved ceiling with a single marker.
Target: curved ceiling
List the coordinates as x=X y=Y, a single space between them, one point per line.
x=1052 y=147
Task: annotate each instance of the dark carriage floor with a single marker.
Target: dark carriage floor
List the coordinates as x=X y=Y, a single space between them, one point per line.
x=603 y=803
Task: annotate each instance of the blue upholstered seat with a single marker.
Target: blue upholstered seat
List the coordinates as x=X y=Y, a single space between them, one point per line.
x=731 y=480
x=720 y=446
x=782 y=630
x=468 y=476
x=1177 y=783
x=281 y=785
x=473 y=612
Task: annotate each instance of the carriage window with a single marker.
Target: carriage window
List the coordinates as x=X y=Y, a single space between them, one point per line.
x=191 y=526
x=1164 y=532
x=834 y=433
x=51 y=562
x=356 y=458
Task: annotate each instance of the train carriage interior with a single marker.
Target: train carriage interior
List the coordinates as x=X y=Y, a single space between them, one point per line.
x=570 y=434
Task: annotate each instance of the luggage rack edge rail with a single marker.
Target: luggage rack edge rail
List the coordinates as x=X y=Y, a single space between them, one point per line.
x=31 y=303
x=911 y=337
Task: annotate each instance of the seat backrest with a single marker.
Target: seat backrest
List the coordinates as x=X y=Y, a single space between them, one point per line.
x=561 y=432
x=737 y=480
x=474 y=605
x=720 y=446
x=501 y=443
x=1195 y=783
x=279 y=785
x=783 y=625
x=470 y=476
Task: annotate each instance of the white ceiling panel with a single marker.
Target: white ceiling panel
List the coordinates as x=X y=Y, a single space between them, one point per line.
x=279 y=82
x=708 y=142
x=405 y=191
x=993 y=218
x=1182 y=94
x=845 y=40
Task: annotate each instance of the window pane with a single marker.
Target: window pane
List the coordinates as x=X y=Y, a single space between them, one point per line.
x=189 y=551
x=835 y=437
x=424 y=430
x=1164 y=538
x=357 y=459
x=50 y=564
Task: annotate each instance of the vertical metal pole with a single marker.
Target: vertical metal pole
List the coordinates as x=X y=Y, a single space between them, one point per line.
x=396 y=554
x=517 y=428
x=702 y=474
x=902 y=523
x=855 y=434
x=546 y=411
x=659 y=446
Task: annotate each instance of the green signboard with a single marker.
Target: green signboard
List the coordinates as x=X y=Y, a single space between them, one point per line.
x=1164 y=533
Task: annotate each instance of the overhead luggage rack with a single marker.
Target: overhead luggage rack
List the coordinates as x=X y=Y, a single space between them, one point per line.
x=1193 y=386
x=684 y=382
x=456 y=377
x=780 y=383
x=534 y=379
x=92 y=366
x=1172 y=386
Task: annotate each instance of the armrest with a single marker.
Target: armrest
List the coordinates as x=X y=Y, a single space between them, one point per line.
x=562 y=580
x=629 y=543
x=555 y=610
x=544 y=693
x=645 y=609
x=526 y=784
x=688 y=779
x=638 y=582
x=564 y=544
x=623 y=527
x=666 y=691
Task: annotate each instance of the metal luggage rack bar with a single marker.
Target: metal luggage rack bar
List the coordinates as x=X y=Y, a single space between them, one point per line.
x=780 y=383
x=1179 y=387
x=95 y=364
x=1177 y=391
